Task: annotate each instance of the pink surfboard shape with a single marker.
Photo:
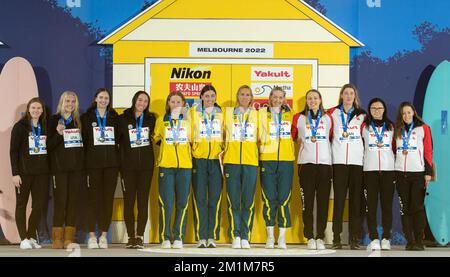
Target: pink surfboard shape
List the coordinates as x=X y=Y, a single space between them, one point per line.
x=17 y=86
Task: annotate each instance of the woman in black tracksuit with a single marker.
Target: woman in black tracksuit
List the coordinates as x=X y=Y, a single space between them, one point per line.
x=100 y=131
x=29 y=164
x=413 y=168
x=136 y=126
x=66 y=151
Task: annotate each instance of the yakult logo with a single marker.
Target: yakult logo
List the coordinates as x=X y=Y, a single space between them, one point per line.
x=272 y=73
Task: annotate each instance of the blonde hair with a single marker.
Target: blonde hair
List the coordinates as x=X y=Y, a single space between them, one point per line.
x=75 y=113
x=276 y=88
x=239 y=90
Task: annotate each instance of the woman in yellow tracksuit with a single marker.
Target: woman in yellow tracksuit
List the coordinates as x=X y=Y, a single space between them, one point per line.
x=241 y=166
x=207 y=126
x=276 y=155
x=173 y=132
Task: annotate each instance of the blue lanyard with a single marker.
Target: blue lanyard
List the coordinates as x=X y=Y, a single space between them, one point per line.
x=38 y=135
x=345 y=122
x=316 y=126
x=175 y=133
x=101 y=124
x=241 y=117
x=278 y=122
x=209 y=128
x=406 y=138
x=139 y=126
x=379 y=136
x=66 y=122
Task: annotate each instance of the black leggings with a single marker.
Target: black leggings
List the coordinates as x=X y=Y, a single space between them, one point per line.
x=411 y=190
x=66 y=187
x=101 y=187
x=136 y=185
x=379 y=184
x=38 y=186
x=347 y=177
x=315 y=184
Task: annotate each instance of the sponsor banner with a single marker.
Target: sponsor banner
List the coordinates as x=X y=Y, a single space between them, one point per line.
x=272 y=74
x=263 y=89
x=231 y=50
x=189 y=89
x=191 y=73
x=261 y=103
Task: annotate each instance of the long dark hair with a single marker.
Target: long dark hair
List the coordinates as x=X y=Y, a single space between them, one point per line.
x=208 y=88
x=93 y=105
x=369 y=119
x=42 y=118
x=134 y=100
x=306 y=109
x=399 y=123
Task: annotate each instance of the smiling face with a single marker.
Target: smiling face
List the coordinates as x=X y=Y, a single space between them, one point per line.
x=277 y=98
x=377 y=110
x=102 y=100
x=407 y=114
x=244 y=97
x=141 y=103
x=175 y=103
x=209 y=98
x=348 y=96
x=69 y=104
x=35 y=110
x=313 y=100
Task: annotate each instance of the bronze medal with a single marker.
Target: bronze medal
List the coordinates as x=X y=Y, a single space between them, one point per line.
x=313 y=139
x=405 y=152
x=345 y=134
x=380 y=144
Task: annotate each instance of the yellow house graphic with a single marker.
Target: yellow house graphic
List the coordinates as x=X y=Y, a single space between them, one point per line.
x=184 y=44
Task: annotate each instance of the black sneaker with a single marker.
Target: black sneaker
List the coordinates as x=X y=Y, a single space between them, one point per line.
x=419 y=247
x=130 y=244
x=336 y=245
x=139 y=244
x=354 y=245
x=409 y=246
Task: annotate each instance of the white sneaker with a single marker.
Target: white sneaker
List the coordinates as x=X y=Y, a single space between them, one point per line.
x=34 y=244
x=312 y=244
x=282 y=243
x=25 y=244
x=236 y=244
x=211 y=243
x=385 y=244
x=270 y=242
x=92 y=243
x=166 y=244
x=102 y=242
x=178 y=244
x=201 y=243
x=374 y=245
x=282 y=239
x=320 y=245
x=245 y=244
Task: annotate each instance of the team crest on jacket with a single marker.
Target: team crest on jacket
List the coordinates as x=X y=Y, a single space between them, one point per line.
x=94 y=124
x=130 y=127
x=227 y=175
x=161 y=174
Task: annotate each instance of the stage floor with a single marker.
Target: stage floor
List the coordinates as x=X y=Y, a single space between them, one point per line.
x=258 y=250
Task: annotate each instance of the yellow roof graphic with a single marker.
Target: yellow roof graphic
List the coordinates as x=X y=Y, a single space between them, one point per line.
x=231 y=10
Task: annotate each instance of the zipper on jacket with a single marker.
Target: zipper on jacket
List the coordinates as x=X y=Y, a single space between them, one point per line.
x=240 y=152
x=176 y=154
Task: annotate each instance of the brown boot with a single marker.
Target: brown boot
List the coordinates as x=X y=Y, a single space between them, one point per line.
x=69 y=235
x=57 y=234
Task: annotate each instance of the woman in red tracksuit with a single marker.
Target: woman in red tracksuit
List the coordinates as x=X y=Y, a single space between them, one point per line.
x=379 y=176
x=313 y=129
x=348 y=151
x=413 y=168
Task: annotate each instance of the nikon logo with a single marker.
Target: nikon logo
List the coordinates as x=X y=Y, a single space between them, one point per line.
x=187 y=73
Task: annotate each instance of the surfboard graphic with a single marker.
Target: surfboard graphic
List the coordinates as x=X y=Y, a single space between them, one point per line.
x=17 y=86
x=436 y=114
